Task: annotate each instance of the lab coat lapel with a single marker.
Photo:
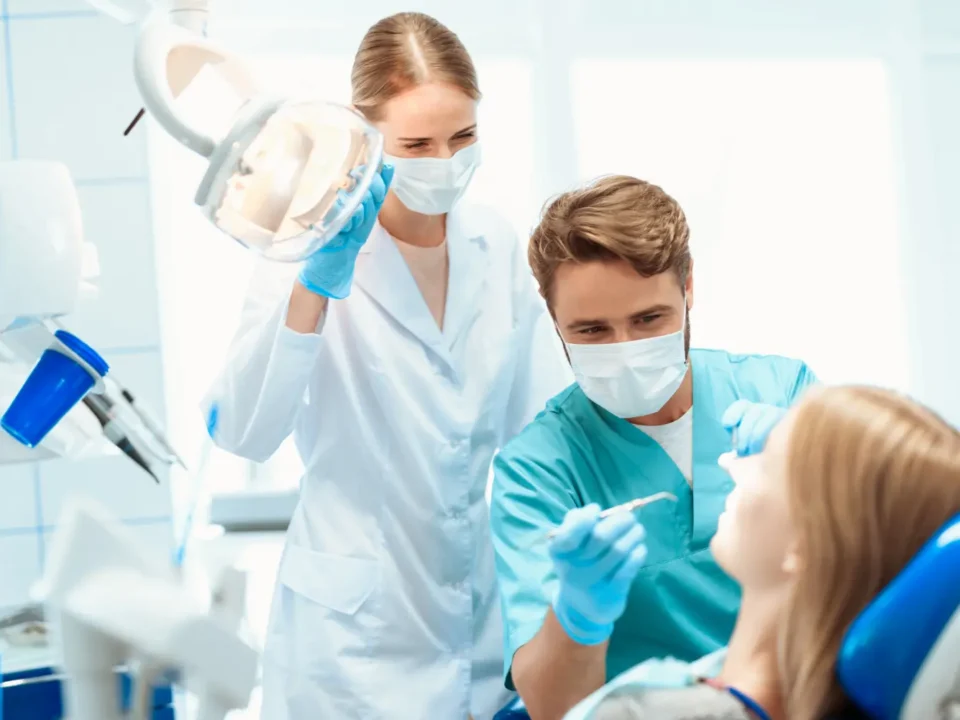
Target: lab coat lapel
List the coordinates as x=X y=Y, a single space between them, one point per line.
x=713 y=392
x=383 y=274
x=468 y=253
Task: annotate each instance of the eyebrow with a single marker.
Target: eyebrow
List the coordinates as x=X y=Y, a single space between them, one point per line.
x=652 y=310
x=426 y=139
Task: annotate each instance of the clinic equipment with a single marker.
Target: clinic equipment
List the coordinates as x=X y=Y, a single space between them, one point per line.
x=100 y=407
x=624 y=507
x=113 y=604
x=49 y=377
x=66 y=371
x=284 y=175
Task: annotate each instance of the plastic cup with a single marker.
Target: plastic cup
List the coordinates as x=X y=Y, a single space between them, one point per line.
x=55 y=385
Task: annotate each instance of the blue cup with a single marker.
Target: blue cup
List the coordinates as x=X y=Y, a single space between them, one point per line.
x=56 y=383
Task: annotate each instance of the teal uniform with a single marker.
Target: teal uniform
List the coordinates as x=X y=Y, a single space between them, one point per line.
x=574 y=453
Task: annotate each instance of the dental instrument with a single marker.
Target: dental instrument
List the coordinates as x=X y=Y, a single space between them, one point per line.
x=628 y=507
x=100 y=407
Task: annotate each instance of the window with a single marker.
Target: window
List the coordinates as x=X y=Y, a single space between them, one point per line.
x=785 y=170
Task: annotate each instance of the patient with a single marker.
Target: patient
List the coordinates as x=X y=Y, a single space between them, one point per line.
x=849 y=487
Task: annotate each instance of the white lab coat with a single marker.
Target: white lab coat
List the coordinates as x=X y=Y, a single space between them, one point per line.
x=386 y=604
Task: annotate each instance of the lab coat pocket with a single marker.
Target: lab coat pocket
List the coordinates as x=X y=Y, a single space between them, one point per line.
x=325 y=632
x=336 y=582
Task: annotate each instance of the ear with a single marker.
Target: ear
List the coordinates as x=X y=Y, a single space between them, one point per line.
x=688 y=290
x=792 y=562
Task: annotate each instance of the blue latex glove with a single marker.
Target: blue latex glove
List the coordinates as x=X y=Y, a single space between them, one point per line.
x=329 y=271
x=750 y=424
x=596 y=561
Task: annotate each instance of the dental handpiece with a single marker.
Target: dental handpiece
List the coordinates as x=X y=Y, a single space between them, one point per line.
x=100 y=407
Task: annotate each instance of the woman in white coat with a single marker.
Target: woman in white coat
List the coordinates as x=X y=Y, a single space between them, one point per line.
x=401 y=359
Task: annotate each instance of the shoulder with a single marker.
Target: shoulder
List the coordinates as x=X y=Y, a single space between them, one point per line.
x=687 y=703
x=746 y=362
x=484 y=221
x=547 y=442
x=765 y=374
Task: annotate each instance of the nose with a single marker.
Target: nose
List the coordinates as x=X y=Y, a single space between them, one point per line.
x=445 y=153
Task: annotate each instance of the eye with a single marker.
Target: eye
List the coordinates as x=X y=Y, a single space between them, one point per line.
x=593 y=330
x=647 y=319
x=466 y=136
x=415 y=145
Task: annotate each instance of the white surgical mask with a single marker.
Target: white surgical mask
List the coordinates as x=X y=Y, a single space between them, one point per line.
x=631 y=379
x=432 y=186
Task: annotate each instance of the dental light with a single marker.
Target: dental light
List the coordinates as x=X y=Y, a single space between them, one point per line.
x=284 y=174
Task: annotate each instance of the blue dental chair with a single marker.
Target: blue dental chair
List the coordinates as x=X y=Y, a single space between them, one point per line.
x=900 y=659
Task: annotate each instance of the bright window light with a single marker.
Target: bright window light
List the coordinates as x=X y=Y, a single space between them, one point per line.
x=785 y=170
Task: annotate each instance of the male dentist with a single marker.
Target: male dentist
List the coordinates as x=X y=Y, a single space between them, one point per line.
x=646 y=415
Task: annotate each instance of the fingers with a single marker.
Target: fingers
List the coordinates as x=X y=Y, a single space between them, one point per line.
x=627 y=572
x=734 y=414
x=605 y=535
x=378 y=188
x=577 y=525
x=618 y=552
x=386 y=175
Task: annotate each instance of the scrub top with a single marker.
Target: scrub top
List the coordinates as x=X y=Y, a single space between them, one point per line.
x=574 y=453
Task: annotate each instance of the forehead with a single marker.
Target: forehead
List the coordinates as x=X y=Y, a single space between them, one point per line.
x=433 y=109
x=609 y=289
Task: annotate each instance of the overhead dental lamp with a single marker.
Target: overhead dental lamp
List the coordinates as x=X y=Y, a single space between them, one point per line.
x=284 y=174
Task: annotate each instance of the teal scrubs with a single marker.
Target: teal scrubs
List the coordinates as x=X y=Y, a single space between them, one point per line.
x=574 y=453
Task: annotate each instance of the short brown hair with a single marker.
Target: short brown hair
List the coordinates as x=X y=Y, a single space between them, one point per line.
x=403 y=51
x=617 y=217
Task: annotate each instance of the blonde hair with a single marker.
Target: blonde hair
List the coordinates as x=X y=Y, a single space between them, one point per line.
x=403 y=51
x=872 y=476
x=613 y=218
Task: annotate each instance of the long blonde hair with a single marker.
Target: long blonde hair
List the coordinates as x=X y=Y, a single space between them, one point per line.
x=404 y=51
x=872 y=475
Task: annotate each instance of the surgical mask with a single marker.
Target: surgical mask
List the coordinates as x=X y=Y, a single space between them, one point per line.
x=631 y=379
x=432 y=186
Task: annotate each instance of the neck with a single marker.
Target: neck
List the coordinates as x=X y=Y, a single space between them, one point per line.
x=751 y=662
x=676 y=407
x=410 y=227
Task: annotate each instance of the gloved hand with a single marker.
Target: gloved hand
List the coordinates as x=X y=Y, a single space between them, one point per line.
x=750 y=424
x=329 y=271
x=596 y=561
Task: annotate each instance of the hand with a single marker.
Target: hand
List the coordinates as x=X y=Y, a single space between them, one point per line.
x=329 y=271
x=596 y=561
x=750 y=424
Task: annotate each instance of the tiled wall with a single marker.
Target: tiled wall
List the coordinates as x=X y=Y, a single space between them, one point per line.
x=67 y=93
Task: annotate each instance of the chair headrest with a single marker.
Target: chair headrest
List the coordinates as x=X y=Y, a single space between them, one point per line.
x=900 y=658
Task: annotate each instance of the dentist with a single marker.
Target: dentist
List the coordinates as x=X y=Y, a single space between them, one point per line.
x=402 y=358
x=647 y=415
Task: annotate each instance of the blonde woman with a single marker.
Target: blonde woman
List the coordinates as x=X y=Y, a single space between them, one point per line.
x=850 y=486
x=401 y=359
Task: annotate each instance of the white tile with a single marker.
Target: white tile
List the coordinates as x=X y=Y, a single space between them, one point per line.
x=5 y=130
x=40 y=7
x=142 y=375
x=18 y=509
x=74 y=93
x=19 y=568
x=115 y=482
x=116 y=218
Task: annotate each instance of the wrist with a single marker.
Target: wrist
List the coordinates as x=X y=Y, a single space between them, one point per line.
x=579 y=627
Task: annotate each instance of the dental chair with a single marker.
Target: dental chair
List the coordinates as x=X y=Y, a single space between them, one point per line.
x=900 y=659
